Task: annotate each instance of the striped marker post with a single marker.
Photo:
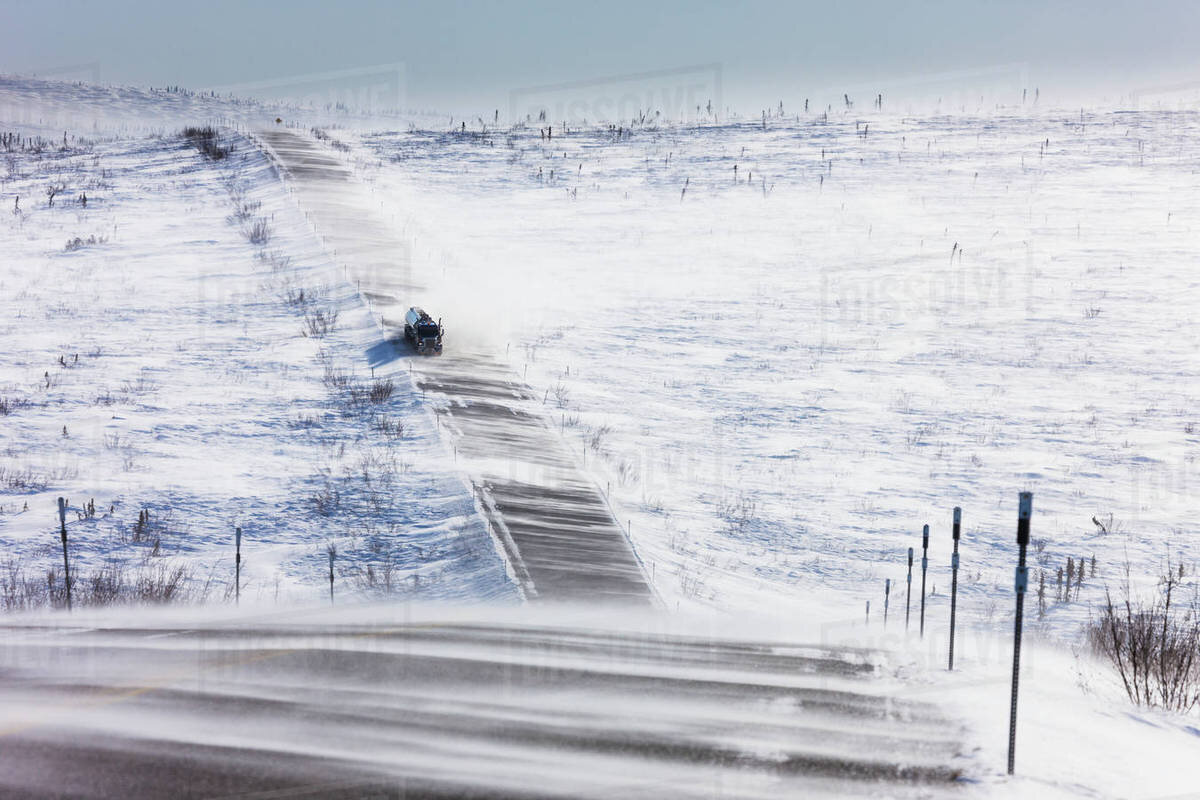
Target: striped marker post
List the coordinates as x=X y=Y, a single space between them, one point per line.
x=1024 y=512
x=237 y=567
x=956 y=530
x=908 y=594
x=887 y=592
x=924 y=570
x=62 y=519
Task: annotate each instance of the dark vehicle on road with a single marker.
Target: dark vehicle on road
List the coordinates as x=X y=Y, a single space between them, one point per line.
x=422 y=331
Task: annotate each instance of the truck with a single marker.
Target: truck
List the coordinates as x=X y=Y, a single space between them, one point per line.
x=423 y=332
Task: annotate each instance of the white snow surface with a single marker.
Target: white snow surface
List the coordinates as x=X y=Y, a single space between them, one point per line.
x=162 y=368
x=777 y=379
x=781 y=378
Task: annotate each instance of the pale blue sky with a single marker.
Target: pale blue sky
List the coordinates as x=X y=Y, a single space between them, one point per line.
x=462 y=54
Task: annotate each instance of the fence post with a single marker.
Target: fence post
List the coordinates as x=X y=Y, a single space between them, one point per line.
x=954 y=579
x=1024 y=512
x=332 y=556
x=887 y=591
x=62 y=519
x=908 y=594
x=924 y=569
x=237 y=568
x=868 y=612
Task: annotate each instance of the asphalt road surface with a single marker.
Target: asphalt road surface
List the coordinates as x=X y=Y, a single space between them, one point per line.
x=331 y=706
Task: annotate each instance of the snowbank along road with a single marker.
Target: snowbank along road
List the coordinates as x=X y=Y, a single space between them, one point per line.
x=554 y=524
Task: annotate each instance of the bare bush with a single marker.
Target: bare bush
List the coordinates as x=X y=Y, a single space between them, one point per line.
x=391 y=428
x=335 y=379
x=378 y=477
x=52 y=191
x=322 y=135
x=598 y=436
x=326 y=499
x=562 y=395
x=304 y=422
x=142 y=386
x=1153 y=644
x=18 y=590
x=23 y=480
x=357 y=396
x=279 y=261
x=691 y=582
x=300 y=297
x=259 y=232
x=740 y=514
x=207 y=141
x=159 y=583
x=319 y=322
x=78 y=243
x=112 y=583
x=243 y=211
x=381 y=391
x=296 y=297
x=380 y=577
x=10 y=404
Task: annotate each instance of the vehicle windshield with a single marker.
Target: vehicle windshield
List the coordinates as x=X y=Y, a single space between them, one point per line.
x=427 y=330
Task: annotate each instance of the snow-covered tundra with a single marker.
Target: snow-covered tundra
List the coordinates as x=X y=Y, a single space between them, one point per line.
x=780 y=348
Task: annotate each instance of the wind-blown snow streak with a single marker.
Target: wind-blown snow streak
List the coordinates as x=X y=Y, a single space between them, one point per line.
x=488 y=708
x=555 y=524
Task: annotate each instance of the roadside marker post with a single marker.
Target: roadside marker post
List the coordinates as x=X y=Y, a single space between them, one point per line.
x=62 y=519
x=237 y=568
x=887 y=591
x=956 y=530
x=908 y=594
x=332 y=556
x=924 y=569
x=868 y=612
x=1024 y=512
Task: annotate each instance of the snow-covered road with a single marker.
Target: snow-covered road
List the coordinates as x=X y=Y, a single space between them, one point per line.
x=369 y=701
x=552 y=520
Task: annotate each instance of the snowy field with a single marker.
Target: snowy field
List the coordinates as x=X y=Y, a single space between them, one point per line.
x=163 y=373
x=777 y=374
x=785 y=348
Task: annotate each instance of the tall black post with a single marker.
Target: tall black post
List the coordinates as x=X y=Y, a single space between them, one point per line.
x=954 y=579
x=908 y=594
x=332 y=555
x=887 y=592
x=62 y=519
x=237 y=569
x=924 y=569
x=1025 y=511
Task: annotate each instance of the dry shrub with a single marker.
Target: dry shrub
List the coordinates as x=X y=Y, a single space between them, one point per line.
x=1154 y=644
